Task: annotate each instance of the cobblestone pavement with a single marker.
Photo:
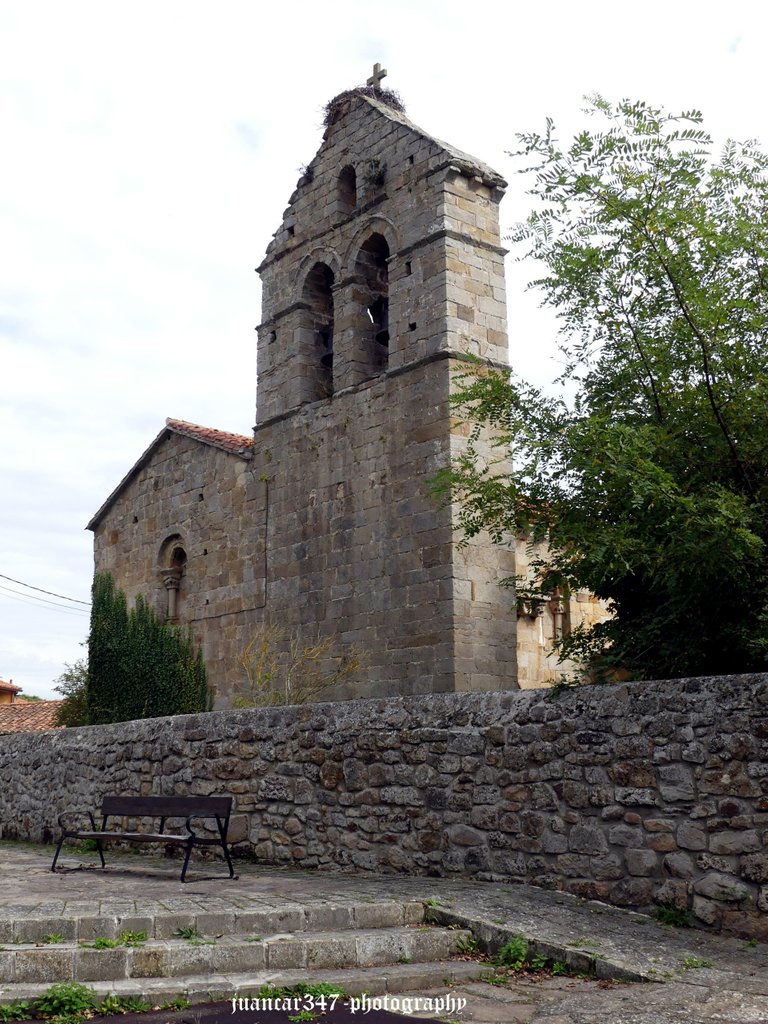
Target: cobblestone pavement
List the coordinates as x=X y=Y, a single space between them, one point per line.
x=681 y=976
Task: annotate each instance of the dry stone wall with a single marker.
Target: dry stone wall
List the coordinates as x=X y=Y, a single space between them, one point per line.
x=638 y=794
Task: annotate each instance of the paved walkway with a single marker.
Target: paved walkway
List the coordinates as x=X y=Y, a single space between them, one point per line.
x=677 y=986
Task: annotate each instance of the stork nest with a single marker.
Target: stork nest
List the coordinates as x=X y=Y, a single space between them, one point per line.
x=336 y=107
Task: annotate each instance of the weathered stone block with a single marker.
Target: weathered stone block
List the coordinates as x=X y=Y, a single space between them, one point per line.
x=587 y=839
x=724 y=888
x=33 y=929
x=676 y=783
x=754 y=867
x=167 y=925
x=659 y=825
x=632 y=892
x=243 y=958
x=553 y=843
x=7 y=960
x=633 y=774
x=484 y=817
x=679 y=865
x=286 y=953
x=625 y=835
x=641 y=862
x=532 y=823
x=331 y=953
x=637 y=797
x=576 y=794
x=573 y=865
x=320 y=919
x=608 y=866
x=735 y=842
x=463 y=835
x=44 y=965
x=672 y=893
x=708 y=911
x=690 y=837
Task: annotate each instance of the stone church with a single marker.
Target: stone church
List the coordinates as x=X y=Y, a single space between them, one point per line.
x=386 y=271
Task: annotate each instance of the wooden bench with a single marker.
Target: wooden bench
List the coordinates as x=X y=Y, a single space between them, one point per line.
x=162 y=807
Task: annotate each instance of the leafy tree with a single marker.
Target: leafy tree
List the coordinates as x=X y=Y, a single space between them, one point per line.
x=72 y=685
x=138 y=666
x=648 y=476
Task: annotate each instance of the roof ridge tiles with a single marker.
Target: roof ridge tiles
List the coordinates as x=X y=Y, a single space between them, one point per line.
x=210 y=435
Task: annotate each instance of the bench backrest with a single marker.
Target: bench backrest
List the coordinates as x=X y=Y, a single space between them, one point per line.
x=167 y=806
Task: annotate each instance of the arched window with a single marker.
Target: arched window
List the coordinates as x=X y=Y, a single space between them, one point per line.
x=372 y=267
x=318 y=295
x=347 y=188
x=173 y=567
x=179 y=559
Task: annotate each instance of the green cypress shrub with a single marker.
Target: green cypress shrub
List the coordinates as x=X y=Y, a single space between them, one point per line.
x=138 y=666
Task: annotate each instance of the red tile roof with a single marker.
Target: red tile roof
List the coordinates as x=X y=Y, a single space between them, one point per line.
x=29 y=715
x=9 y=687
x=235 y=443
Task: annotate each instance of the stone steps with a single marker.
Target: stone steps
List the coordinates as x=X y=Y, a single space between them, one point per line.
x=201 y=988
x=377 y=946
x=232 y=954
x=35 y=925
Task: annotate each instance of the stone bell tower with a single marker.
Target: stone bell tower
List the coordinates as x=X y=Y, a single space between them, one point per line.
x=386 y=271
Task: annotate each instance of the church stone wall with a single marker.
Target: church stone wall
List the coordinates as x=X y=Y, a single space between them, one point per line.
x=211 y=503
x=356 y=545
x=359 y=548
x=637 y=794
x=386 y=272
x=329 y=530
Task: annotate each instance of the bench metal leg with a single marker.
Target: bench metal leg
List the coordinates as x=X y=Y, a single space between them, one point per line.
x=60 y=843
x=58 y=851
x=188 y=853
x=186 y=860
x=229 y=860
x=101 y=854
x=222 y=826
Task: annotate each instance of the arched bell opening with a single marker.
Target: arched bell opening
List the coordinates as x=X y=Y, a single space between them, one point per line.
x=372 y=268
x=347 y=189
x=318 y=297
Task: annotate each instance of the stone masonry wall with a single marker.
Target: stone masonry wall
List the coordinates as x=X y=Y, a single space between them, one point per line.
x=540 y=623
x=636 y=794
x=326 y=525
x=215 y=505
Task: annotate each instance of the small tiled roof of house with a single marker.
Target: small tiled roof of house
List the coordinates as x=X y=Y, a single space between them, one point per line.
x=238 y=444
x=29 y=715
x=9 y=687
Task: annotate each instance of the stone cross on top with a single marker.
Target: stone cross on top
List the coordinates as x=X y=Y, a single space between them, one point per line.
x=378 y=73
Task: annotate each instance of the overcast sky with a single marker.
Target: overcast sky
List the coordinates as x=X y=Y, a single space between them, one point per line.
x=148 y=151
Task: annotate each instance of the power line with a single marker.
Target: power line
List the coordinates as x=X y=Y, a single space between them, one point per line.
x=50 y=593
x=40 y=601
